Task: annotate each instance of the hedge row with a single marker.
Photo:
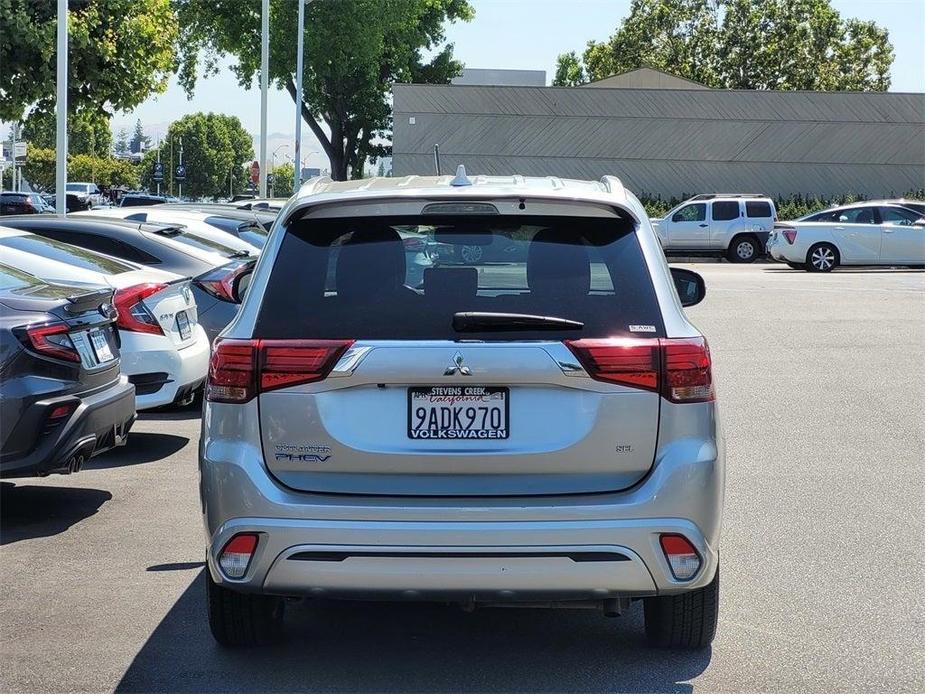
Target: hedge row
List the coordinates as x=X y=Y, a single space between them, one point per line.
x=787 y=208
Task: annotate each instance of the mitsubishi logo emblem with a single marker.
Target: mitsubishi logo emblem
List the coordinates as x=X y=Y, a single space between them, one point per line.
x=458 y=366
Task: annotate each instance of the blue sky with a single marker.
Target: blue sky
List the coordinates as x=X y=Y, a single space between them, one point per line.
x=521 y=34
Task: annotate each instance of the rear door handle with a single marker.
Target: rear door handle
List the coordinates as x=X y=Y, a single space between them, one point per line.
x=704 y=225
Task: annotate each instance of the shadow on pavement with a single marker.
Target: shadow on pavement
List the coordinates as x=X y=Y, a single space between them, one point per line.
x=142 y=447
x=360 y=646
x=173 y=414
x=28 y=512
x=177 y=566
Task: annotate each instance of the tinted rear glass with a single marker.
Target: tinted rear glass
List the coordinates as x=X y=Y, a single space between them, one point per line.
x=395 y=278
x=724 y=211
x=202 y=243
x=66 y=253
x=757 y=208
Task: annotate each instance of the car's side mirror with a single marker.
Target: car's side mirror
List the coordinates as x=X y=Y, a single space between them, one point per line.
x=919 y=222
x=241 y=284
x=690 y=286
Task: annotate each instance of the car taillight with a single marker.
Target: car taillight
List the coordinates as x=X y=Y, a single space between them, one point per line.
x=236 y=555
x=790 y=235
x=134 y=316
x=52 y=341
x=678 y=368
x=220 y=281
x=242 y=369
x=682 y=557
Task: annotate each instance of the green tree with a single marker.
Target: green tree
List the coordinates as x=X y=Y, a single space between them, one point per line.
x=215 y=146
x=282 y=180
x=119 y=53
x=742 y=44
x=354 y=51
x=139 y=140
x=569 y=71
x=106 y=171
x=121 y=145
x=87 y=132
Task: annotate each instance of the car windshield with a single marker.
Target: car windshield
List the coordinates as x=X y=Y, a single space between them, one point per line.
x=536 y=278
x=66 y=253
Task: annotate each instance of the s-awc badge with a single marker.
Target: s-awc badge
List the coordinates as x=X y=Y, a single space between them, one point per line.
x=642 y=328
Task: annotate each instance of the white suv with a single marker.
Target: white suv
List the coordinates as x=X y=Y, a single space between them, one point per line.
x=733 y=226
x=541 y=431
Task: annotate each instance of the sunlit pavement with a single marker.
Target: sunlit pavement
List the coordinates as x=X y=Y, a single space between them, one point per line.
x=821 y=382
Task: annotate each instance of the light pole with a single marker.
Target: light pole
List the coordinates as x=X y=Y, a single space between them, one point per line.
x=264 y=85
x=300 y=29
x=61 y=125
x=180 y=183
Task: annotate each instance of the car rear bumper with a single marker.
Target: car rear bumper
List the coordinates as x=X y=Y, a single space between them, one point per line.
x=178 y=370
x=427 y=547
x=100 y=422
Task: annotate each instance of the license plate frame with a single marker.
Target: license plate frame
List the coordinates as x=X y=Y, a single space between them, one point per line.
x=100 y=344
x=184 y=326
x=460 y=398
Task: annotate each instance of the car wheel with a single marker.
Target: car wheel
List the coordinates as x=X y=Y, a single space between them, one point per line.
x=796 y=266
x=823 y=257
x=743 y=249
x=242 y=619
x=683 y=621
x=471 y=254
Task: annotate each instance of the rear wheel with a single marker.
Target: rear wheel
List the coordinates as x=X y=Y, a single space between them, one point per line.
x=684 y=621
x=823 y=257
x=743 y=249
x=242 y=619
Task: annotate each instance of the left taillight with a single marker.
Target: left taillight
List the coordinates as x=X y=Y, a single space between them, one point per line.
x=237 y=553
x=241 y=369
x=220 y=281
x=52 y=341
x=134 y=316
x=678 y=368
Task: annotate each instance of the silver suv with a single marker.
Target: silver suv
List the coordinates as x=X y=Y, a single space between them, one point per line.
x=538 y=431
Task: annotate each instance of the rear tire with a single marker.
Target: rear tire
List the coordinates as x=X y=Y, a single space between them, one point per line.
x=686 y=621
x=743 y=249
x=823 y=257
x=242 y=619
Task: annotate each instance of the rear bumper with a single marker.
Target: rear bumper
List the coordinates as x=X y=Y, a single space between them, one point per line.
x=100 y=422
x=154 y=354
x=427 y=547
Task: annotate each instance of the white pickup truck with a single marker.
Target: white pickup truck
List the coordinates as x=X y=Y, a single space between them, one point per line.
x=732 y=225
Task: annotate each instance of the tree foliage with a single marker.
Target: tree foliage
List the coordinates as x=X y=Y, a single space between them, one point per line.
x=87 y=132
x=283 y=176
x=119 y=52
x=742 y=44
x=139 y=141
x=105 y=171
x=354 y=51
x=215 y=146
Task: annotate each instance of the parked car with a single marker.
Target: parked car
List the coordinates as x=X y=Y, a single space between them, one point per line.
x=859 y=234
x=165 y=352
x=88 y=193
x=734 y=226
x=193 y=228
x=62 y=398
x=12 y=202
x=141 y=200
x=248 y=226
x=74 y=203
x=266 y=204
x=167 y=247
x=538 y=432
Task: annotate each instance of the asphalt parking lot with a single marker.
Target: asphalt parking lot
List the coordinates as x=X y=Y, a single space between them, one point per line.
x=821 y=381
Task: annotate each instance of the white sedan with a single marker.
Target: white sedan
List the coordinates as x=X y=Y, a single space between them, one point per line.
x=882 y=233
x=165 y=352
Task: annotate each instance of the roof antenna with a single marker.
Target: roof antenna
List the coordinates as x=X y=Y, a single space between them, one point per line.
x=461 y=179
x=437 y=158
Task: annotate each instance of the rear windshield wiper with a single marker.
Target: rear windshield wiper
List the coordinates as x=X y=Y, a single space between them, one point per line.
x=478 y=321
x=240 y=254
x=169 y=231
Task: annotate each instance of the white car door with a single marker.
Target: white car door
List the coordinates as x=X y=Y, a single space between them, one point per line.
x=903 y=240
x=688 y=228
x=857 y=235
x=724 y=222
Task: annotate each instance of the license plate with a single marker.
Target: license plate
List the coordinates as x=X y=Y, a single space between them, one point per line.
x=101 y=346
x=183 y=325
x=458 y=412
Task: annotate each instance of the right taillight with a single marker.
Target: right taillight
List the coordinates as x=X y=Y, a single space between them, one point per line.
x=790 y=235
x=220 y=281
x=134 y=316
x=678 y=368
x=52 y=341
x=241 y=369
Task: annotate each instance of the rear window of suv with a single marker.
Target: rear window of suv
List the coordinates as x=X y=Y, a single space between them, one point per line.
x=757 y=208
x=396 y=278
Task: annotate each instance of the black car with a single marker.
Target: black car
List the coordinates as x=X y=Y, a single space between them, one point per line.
x=141 y=199
x=13 y=202
x=215 y=270
x=63 y=400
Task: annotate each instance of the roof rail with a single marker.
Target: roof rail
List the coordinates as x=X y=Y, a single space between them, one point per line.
x=311 y=185
x=613 y=185
x=710 y=196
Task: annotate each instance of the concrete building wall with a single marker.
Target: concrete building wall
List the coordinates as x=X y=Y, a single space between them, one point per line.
x=669 y=142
